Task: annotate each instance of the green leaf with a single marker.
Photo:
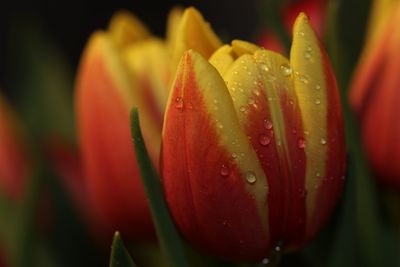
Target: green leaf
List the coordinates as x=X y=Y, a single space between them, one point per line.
x=119 y=255
x=168 y=236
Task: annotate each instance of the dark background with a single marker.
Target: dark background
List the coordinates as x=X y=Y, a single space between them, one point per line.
x=67 y=24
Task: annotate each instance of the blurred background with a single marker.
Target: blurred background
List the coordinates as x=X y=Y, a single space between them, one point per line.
x=66 y=25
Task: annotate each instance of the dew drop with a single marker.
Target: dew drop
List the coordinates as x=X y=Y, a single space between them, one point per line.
x=234 y=155
x=307 y=55
x=286 y=69
x=256 y=92
x=224 y=170
x=250 y=101
x=264 y=67
x=242 y=109
x=303 y=79
x=179 y=103
x=251 y=177
x=300 y=33
x=323 y=141
x=264 y=140
x=268 y=124
x=265 y=261
x=317 y=101
x=301 y=143
x=317 y=87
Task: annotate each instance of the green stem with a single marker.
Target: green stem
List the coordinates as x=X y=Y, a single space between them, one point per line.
x=166 y=231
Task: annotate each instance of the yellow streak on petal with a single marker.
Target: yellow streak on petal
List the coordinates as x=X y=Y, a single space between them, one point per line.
x=148 y=60
x=310 y=86
x=125 y=28
x=276 y=75
x=379 y=14
x=173 y=21
x=193 y=33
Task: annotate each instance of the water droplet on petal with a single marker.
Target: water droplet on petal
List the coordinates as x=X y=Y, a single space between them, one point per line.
x=251 y=101
x=264 y=140
x=268 y=124
x=303 y=79
x=251 y=177
x=301 y=143
x=286 y=69
x=323 y=141
x=234 y=155
x=317 y=87
x=242 y=109
x=179 y=103
x=317 y=101
x=307 y=55
x=264 y=67
x=224 y=170
x=277 y=248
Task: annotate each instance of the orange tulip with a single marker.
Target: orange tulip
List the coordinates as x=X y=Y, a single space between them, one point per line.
x=375 y=92
x=253 y=151
x=121 y=68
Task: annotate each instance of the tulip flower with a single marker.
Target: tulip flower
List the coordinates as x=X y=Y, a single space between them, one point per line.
x=124 y=67
x=253 y=151
x=14 y=157
x=374 y=96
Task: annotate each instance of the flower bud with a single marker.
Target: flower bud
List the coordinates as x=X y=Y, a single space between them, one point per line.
x=253 y=148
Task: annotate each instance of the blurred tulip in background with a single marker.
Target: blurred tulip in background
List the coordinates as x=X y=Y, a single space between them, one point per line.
x=375 y=92
x=121 y=68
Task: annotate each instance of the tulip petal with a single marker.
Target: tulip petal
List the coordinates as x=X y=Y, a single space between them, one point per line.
x=242 y=47
x=125 y=29
x=221 y=200
x=319 y=103
x=174 y=18
x=265 y=101
x=193 y=33
x=103 y=100
x=222 y=59
x=147 y=61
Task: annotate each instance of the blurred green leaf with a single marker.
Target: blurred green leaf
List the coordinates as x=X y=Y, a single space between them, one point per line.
x=168 y=236
x=119 y=255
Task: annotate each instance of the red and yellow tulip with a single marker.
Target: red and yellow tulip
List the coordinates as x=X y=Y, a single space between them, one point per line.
x=124 y=67
x=15 y=165
x=253 y=151
x=375 y=91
